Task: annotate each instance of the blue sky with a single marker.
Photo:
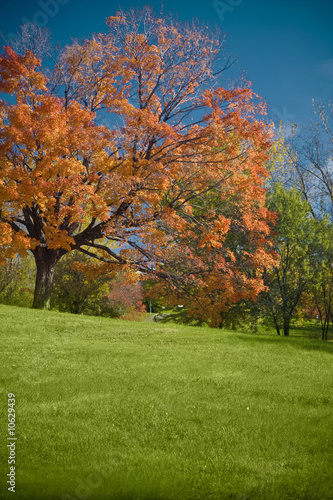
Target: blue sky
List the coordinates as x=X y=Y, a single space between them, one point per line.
x=284 y=47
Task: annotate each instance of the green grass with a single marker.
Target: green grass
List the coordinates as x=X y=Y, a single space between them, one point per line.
x=108 y=409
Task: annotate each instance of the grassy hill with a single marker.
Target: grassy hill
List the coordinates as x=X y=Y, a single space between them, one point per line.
x=108 y=409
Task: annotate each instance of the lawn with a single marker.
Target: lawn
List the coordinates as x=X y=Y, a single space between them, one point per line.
x=109 y=409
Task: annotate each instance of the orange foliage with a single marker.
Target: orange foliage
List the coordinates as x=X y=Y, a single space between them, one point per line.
x=173 y=184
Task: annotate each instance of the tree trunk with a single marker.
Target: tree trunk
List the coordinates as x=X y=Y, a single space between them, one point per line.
x=276 y=323
x=46 y=260
x=325 y=328
x=286 y=326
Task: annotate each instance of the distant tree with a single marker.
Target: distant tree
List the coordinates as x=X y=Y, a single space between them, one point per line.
x=295 y=237
x=17 y=281
x=303 y=159
x=321 y=284
x=74 y=291
x=126 y=296
x=306 y=160
x=33 y=38
x=153 y=303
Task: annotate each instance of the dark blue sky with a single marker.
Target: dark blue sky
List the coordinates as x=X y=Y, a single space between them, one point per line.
x=285 y=47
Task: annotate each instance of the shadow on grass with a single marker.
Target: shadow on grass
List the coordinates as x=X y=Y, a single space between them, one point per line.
x=298 y=341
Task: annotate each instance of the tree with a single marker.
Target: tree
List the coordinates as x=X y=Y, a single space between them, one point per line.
x=322 y=294
x=141 y=179
x=321 y=284
x=308 y=155
x=32 y=37
x=16 y=282
x=295 y=236
x=76 y=292
x=303 y=160
x=126 y=296
x=222 y=257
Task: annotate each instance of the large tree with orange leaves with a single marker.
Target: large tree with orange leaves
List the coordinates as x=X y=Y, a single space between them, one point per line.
x=171 y=184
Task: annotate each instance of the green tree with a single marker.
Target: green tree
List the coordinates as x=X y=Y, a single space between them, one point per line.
x=77 y=293
x=17 y=281
x=321 y=285
x=295 y=236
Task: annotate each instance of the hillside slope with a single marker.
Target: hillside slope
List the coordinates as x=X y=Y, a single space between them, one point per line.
x=108 y=409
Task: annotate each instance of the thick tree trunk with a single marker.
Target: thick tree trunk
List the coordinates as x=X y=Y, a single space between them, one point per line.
x=46 y=260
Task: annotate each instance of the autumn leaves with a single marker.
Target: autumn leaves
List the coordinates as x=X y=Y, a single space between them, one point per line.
x=130 y=141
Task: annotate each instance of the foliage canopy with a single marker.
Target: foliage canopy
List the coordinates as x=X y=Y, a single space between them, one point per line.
x=173 y=175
